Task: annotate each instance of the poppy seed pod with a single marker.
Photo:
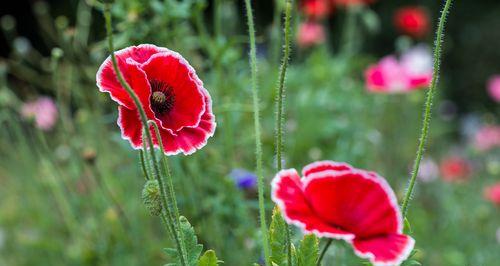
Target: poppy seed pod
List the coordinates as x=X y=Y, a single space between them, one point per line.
x=151 y=197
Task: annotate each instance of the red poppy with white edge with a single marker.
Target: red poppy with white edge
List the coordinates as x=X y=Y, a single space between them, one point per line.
x=170 y=92
x=335 y=200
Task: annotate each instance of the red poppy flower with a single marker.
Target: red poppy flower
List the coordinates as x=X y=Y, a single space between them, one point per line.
x=337 y=201
x=492 y=193
x=412 y=20
x=316 y=9
x=455 y=169
x=170 y=92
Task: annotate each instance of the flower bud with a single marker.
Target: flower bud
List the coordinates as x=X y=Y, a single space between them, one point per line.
x=151 y=197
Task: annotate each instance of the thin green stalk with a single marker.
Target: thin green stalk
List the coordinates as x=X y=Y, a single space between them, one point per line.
x=280 y=89
x=280 y=111
x=258 y=142
x=428 y=107
x=170 y=193
x=144 y=120
x=144 y=168
x=349 y=31
x=323 y=251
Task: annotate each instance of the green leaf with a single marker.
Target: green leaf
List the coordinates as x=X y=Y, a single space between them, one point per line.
x=208 y=259
x=277 y=237
x=193 y=249
x=308 y=251
x=411 y=261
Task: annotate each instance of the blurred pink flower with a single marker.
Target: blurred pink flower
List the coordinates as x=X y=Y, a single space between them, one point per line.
x=494 y=88
x=412 y=71
x=429 y=170
x=487 y=137
x=43 y=110
x=310 y=33
x=455 y=169
x=492 y=193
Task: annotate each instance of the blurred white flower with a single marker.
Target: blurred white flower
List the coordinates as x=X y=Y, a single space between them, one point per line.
x=417 y=60
x=429 y=170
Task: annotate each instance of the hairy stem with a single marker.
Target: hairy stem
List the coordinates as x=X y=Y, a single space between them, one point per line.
x=258 y=142
x=144 y=120
x=171 y=204
x=280 y=111
x=323 y=251
x=428 y=107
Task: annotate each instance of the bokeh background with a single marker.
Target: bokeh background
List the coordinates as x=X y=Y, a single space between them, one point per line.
x=70 y=186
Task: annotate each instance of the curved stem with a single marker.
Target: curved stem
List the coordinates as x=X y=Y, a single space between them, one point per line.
x=428 y=107
x=280 y=110
x=124 y=84
x=144 y=120
x=323 y=251
x=258 y=142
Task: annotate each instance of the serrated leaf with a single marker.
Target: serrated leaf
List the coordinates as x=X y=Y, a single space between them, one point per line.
x=295 y=260
x=193 y=249
x=208 y=259
x=308 y=251
x=277 y=237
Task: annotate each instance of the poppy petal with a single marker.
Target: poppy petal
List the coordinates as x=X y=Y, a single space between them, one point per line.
x=174 y=71
x=107 y=80
x=356 y=201
x=130 y=126
x=287 y=193
x=321 y=166
x=386 y=250
x=142 y=52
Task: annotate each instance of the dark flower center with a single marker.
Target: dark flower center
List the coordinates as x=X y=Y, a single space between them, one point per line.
x=162 y=97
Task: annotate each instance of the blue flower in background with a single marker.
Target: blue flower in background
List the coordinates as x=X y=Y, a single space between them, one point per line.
x=243 y=178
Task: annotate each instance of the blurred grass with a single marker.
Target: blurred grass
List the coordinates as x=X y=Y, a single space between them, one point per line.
x=55 y=206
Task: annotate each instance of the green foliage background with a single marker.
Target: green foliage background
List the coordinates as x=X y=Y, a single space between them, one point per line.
x=64 y=194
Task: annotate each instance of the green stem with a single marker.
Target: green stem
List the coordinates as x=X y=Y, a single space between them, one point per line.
x=170 y=193
x=258 y=142
x=280 y=110
x=428 y=107
x=144 y=168
x=323 y=251
x=144 y=120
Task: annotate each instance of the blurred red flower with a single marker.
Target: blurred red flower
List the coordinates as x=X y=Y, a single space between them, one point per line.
x=492 y=193
x=310 y=33
x=455 y=169
x=494 y=88
x=170 y=92
x=337 y=201
x=412 y=20
x=316 y=9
